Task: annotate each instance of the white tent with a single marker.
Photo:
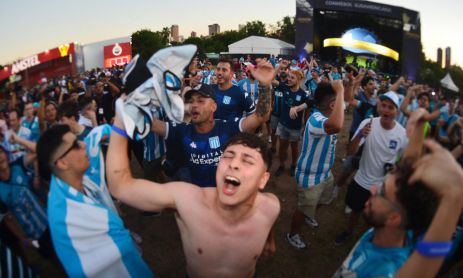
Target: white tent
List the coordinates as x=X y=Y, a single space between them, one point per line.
x=447 y=83
x=261 y=45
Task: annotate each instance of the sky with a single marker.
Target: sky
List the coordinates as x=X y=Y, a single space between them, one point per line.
x=28 y=27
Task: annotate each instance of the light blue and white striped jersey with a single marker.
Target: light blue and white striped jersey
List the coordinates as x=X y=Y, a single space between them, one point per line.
x=402 y=118
x=368 y=260
x=250 y=87
x=94 y=180
x=154 y=145
x=317 y=152
x=207 y=76
x=89 y=238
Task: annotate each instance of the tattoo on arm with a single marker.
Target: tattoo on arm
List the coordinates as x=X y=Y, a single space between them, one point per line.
x=264 y=100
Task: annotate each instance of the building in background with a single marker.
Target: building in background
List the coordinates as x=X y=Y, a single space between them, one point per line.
x=439 y=57
x=214 y=29
x=62 y=60
x=193 y=34
x=68 y=59
x=107 y=52
x=241 y=26
x=448 y=58
x=174 y=33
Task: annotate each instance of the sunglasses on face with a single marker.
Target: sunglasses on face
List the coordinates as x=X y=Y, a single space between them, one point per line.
x=75 y=146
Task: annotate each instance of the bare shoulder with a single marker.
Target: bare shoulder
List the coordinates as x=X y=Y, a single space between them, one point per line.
x=183 y=189
x=188 y=195
x=268 y=204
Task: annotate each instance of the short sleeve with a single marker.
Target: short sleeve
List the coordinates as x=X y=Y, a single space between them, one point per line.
x=362 y=125
x=317 y=124
x=173 y=131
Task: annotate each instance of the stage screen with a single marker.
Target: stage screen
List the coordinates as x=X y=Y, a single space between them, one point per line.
x=363 y=39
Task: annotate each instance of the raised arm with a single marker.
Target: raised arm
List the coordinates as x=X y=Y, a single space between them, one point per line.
x=407 y=100
x=442 y=174
x=335 y=121
x=263 y=72
x=139 y=193
x=396 y=85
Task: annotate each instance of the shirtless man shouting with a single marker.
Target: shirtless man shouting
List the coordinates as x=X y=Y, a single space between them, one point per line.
x=224 y=229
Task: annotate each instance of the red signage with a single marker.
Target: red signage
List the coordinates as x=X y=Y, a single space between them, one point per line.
x=117 y=54
x=37 y=59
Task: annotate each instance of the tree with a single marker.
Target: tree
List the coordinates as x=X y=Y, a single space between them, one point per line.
x=254 y=28
x=146 y=42
x=287 y=30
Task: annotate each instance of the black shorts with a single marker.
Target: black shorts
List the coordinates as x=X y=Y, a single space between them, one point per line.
x=357 y=196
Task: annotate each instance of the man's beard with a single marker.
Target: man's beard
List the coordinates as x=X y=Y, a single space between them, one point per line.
x=376 y=221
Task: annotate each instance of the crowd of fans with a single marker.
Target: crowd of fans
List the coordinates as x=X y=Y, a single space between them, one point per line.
x=56 y=135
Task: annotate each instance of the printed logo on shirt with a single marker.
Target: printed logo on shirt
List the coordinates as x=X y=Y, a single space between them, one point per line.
x=298 y=98
x=278 y=94
x=393 y=144
x=193 y=145
x=214 y=142
x=19 y=180
x=226 y=100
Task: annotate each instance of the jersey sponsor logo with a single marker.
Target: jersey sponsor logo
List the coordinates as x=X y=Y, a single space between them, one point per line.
x=226 y=100
x=193 y=145
x=278 y=94
x=211 y=158
x=19 y=179
x=214 y=142
x=298 y=98
x=393 y=144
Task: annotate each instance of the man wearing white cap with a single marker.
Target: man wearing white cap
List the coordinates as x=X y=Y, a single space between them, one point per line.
x=384 y=140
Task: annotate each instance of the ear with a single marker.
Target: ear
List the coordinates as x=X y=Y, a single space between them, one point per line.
x=61 y=164
x=263 y=180
x=214 y=105
x=394 y=219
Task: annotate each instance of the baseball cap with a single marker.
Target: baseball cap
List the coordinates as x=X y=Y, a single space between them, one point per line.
x=392 y=97
x=203 y=89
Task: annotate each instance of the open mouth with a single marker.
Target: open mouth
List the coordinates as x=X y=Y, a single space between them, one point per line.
x=232 y=180
x=231 y=185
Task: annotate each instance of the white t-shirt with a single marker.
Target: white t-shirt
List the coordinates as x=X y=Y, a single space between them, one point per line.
x=382 y=148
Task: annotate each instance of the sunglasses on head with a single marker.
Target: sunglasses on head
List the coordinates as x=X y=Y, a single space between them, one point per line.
x=75 y=146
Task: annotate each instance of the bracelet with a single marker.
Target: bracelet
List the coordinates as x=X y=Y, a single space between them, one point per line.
x=433 y=249
x=119 y=131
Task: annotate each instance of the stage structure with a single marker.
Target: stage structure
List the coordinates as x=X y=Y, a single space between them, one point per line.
x=379 y=36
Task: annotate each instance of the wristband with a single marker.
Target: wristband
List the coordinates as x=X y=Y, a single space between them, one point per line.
x=433 y=249
x=119 y=131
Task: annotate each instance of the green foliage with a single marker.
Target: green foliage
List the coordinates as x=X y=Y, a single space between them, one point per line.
x=287 y=30
x=254 y=28
x=431 y=73
x=146 y=42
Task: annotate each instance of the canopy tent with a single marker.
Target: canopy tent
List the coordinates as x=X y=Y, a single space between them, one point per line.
x=447 y=83
x=261 y=45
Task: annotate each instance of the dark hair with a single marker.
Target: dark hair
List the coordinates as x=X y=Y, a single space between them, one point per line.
x=69 y=108
x=84 y=101
x=14 y=110
x=228 y=61
x=424 y=94
x=418 y=201
x=51 y=102
x=323 y=95
x=254 y=142
x=365 y=80
x=48 y=142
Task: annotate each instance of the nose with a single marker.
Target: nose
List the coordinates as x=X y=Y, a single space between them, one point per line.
x=234 y=163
